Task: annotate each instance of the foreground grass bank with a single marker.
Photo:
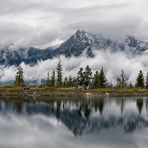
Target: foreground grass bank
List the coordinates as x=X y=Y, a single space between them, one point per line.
x=70 y=92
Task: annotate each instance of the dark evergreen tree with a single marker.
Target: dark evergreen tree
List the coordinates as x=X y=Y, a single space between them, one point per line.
x=74 y=82
x=19 y=78
x=96 y=80
x=102 y=78
x=53 y=79
x=146 y=82
x=80 y=77
x=70 y=82
x=140 y=80
x=48 y=82
x=66 y=82
x=59 y=74
x=87 y=77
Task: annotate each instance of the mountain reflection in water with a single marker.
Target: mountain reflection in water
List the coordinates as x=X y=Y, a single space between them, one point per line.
x=75 y=123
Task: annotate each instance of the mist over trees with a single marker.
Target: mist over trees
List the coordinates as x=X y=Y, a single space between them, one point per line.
x=85 y=79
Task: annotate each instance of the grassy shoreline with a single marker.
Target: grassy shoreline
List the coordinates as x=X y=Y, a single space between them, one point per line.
x=71 y=92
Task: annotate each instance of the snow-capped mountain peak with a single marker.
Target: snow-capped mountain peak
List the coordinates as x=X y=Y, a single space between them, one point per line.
x=76 y=45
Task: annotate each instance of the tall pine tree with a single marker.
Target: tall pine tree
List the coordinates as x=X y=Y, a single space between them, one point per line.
x=96 y=80
x=87 y=77
x=146 y=81
x=53 y=79
x=59 y=74
x=102 y=78
x=48 y=82
x=140 y=80
x=80 y=77
x=70 y=82
x=19 y=78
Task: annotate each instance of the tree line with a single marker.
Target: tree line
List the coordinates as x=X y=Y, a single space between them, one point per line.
x=85 y=79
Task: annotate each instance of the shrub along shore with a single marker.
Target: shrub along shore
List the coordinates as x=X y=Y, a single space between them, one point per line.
x=40 y=92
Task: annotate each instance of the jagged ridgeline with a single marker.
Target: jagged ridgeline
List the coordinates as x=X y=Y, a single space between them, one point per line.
x=77 y=44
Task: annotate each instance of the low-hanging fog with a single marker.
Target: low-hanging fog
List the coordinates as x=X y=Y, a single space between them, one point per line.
x=112 y=63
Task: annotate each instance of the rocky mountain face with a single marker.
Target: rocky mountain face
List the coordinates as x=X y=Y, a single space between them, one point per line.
x=79 y=43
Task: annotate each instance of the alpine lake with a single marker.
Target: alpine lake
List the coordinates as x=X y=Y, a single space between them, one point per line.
x=110 y=122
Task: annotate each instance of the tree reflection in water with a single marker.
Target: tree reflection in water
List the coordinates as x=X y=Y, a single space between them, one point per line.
x=88 y=115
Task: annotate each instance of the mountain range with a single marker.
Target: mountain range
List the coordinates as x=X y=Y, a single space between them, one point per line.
x=79 y=43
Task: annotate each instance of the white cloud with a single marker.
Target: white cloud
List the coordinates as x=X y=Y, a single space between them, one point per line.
x=37 y=22
x=112 y=63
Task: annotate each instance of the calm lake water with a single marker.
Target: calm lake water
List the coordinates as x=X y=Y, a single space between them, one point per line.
x=90 y=123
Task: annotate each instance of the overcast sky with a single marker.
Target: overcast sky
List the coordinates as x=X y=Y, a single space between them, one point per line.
x=48 y=22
